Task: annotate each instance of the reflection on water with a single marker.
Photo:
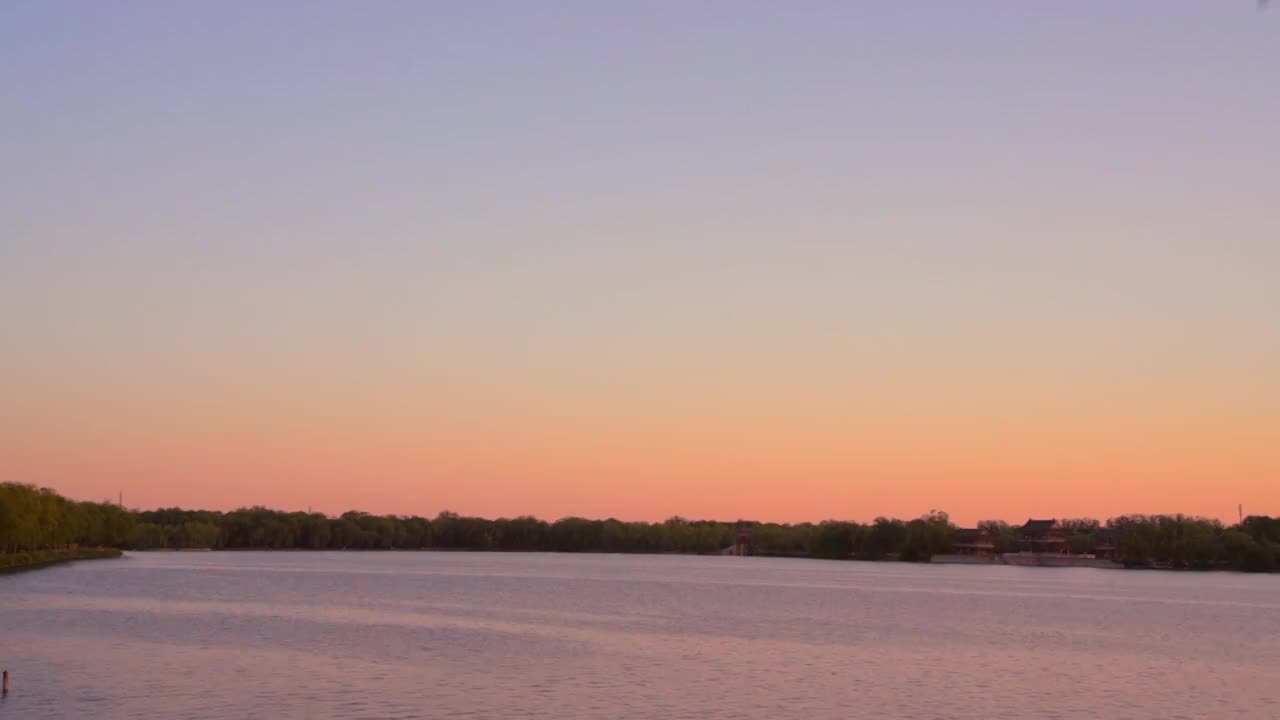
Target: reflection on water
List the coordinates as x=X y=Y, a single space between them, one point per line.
x=397 y=635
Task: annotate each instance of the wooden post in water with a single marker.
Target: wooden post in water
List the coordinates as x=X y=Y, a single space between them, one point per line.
x=4 y=685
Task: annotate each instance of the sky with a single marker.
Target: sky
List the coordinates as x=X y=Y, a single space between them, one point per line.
x=782 y=261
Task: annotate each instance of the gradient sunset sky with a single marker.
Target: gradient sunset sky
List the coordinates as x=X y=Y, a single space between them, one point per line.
x=778 y=260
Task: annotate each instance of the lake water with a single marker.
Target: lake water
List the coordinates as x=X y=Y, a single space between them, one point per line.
x=484 y=635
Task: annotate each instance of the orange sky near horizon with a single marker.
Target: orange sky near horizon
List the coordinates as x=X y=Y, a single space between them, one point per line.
x=696 y=446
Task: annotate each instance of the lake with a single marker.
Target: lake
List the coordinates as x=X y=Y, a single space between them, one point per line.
x=490 y=635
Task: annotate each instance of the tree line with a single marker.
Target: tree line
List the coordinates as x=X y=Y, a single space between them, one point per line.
x=38 y=518
x=1176 y=541
x=33 y=519
x=261 y=528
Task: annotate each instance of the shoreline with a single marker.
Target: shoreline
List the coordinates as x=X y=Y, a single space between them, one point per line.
x=49 y=558
x=21 y=562
x=1051 y=561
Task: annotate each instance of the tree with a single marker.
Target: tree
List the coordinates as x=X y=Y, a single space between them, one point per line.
x=886 y=537
x=1004 y=537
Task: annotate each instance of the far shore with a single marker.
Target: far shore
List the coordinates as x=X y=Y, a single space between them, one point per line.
x=1030 y=560
x=11 y=563
x=23 y=561
x=38 y=526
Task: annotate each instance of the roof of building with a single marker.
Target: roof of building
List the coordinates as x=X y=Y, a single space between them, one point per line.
x=1038 y=527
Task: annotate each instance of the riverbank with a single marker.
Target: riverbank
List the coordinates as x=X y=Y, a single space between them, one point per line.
x=18 y=562
x=1029 y=560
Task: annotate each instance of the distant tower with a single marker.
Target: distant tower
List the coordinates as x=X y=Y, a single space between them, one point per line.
x=742 y=543
x=120 y=501
x=1240 y=511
